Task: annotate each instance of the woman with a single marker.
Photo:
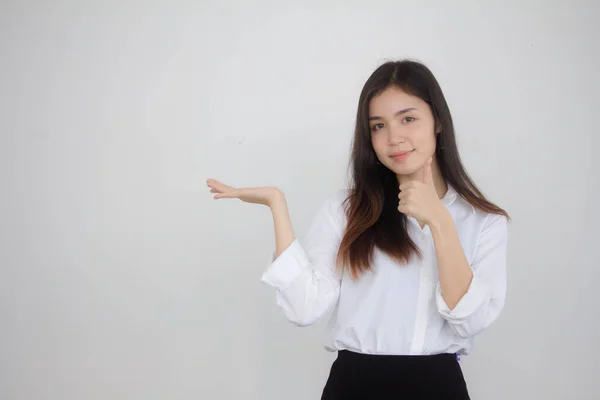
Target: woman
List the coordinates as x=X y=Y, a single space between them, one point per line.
x=411 y=259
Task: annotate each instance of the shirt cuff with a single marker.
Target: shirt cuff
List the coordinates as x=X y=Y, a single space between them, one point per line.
x=475 y=297
x=287 y=267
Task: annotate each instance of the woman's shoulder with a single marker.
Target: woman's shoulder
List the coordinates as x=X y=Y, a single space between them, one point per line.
x=334 y=205
x=337 y=197
x=468 y=210
x=476 y=220
x=489 y=221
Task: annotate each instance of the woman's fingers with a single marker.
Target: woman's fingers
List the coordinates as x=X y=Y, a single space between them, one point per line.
x=258 y=195
x=226 y=195
x=213 y=183
x=222 y=191
x=219 y=186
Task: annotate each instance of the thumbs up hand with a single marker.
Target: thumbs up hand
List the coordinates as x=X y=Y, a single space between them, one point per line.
x=419 y=199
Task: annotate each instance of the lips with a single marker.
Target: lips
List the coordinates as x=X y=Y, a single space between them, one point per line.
x=401 y=155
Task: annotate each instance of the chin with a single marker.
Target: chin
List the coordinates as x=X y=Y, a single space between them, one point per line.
x=403 y=170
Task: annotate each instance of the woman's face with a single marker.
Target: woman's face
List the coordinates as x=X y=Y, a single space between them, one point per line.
x=402 y=132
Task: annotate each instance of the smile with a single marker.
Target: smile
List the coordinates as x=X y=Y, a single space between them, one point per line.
x=401 y=155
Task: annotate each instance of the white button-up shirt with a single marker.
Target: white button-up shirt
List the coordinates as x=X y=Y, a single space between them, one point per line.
x=394 y=308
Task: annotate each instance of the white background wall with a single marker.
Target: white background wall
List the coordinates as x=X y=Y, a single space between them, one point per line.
x=121 y=278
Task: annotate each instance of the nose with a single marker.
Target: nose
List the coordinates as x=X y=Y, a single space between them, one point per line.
x=396 y=135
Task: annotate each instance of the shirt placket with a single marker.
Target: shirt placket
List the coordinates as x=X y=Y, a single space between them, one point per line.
x=426 y=286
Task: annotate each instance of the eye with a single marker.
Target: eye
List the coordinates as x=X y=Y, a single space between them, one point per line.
x=409 y=119
x=376 y=127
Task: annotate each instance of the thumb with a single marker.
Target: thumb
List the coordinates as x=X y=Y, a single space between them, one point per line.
x=427 y=172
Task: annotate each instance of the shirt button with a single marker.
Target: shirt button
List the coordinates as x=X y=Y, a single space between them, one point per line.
x=426 y=279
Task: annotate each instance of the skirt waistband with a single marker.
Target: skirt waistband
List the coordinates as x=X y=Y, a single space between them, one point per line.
x=350 y=356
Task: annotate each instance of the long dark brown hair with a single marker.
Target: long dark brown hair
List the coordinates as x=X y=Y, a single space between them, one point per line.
x=372 y=203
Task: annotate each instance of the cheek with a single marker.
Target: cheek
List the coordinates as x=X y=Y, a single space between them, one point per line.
x=378 y=144
x=424 y=142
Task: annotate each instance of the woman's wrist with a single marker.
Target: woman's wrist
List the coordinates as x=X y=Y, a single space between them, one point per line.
x=442 y=222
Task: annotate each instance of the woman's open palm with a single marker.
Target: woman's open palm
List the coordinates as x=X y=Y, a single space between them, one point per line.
x=256 y=195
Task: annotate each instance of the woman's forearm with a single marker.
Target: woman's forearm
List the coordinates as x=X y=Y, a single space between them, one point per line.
x=455 y=274
x=282 y=223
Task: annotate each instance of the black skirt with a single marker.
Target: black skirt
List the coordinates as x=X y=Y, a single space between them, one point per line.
x=375 y=377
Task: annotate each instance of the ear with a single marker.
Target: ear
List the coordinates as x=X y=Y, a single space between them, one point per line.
x=438 y=128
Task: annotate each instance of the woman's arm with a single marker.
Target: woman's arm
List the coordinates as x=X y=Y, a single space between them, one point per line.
x=455 y=274
x=303 y=274
x=284 y=233
x=471 y=297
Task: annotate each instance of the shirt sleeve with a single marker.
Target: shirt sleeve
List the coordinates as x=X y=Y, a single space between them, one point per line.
x=484 y=299
x=304 y=274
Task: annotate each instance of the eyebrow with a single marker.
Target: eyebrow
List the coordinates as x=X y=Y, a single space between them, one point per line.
x=395 y=115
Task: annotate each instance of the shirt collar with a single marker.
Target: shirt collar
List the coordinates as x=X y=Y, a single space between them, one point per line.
x=450 y=196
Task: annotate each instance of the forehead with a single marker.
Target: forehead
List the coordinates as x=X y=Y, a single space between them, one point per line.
x=392 y=100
